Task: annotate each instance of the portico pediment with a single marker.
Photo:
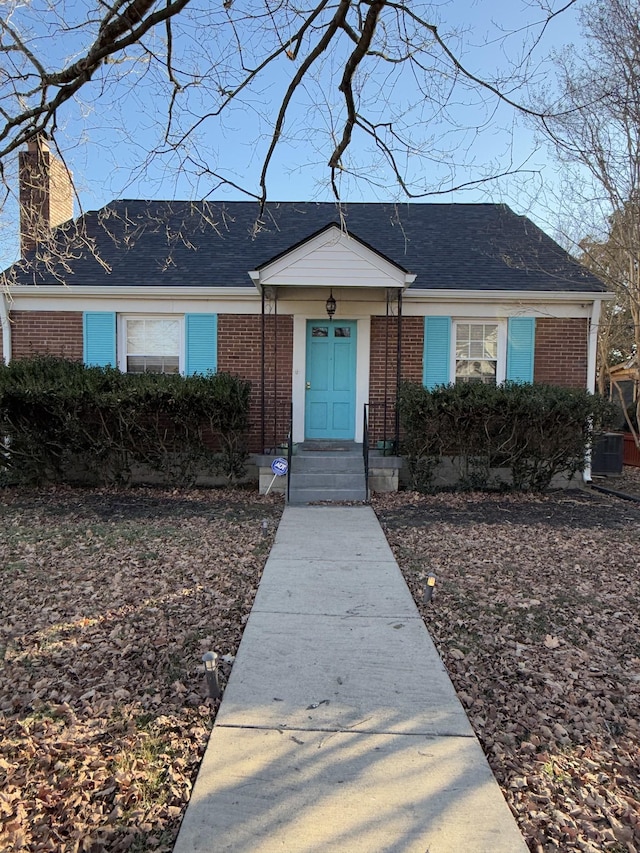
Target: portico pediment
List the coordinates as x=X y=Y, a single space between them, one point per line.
x=331 y=258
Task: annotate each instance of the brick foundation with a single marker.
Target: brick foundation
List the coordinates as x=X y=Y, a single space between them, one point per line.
x=561 y=352
x=56 y=333
x=239 y=352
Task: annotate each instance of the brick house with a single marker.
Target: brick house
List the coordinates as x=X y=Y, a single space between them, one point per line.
x=436 y=293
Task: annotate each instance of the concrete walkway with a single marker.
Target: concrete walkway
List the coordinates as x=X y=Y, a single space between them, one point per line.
x=340 y=731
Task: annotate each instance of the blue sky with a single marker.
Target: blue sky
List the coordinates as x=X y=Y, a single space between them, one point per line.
x=107 y=133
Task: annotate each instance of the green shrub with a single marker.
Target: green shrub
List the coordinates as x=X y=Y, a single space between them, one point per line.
x=60 y=418
x=535 y=431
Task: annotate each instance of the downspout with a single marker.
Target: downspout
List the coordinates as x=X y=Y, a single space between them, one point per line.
x=398 y=373
x=6 y=327
x=262 y=377
x=275 y=368
x=592 y=352
x=386 y=372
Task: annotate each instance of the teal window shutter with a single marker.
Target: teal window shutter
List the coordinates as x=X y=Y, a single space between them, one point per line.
x=99 y=338
x=437 y=351
x=520 y=349
x=201 y=343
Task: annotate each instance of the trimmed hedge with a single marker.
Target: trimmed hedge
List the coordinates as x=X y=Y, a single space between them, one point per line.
x=534 y=431
x=63 y=421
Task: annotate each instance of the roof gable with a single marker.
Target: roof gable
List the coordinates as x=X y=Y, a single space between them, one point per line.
x=332 y=258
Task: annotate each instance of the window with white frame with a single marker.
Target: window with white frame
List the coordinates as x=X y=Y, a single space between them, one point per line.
x=479 y=352
x=150 y=344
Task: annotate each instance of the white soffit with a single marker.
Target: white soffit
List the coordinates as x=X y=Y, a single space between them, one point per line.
x=331 y=259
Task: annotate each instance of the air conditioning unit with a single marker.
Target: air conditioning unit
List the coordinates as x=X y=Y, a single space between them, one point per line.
x=607 y=453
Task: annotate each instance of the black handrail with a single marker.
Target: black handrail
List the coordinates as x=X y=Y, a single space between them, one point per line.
x=289 y=450
x=365 y=449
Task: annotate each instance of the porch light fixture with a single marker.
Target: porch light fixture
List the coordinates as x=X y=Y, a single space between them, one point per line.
x=330 y=305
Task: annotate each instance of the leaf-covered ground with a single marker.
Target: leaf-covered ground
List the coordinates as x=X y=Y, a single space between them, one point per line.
x=107 y=602
x=537 y=617
x=628 y=483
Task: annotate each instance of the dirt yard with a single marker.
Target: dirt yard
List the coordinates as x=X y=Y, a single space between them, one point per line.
x=109 y=599
x=537 y=617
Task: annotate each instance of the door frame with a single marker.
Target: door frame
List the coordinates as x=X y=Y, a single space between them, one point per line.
x=363 y=351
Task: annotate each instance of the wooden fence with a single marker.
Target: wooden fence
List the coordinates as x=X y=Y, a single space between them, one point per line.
x=631 y=454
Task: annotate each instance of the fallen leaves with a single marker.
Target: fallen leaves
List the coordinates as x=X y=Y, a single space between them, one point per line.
x=109 y=600
x=536 y=613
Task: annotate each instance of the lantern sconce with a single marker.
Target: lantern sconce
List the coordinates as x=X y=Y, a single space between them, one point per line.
x=330 y=305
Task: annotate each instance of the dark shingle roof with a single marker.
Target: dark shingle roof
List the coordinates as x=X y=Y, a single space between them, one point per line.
x=178 y=243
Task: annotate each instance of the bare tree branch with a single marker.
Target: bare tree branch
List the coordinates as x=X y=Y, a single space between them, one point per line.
x=68 y=81
x=383 y=74
x=322 y=45
x=595 y=134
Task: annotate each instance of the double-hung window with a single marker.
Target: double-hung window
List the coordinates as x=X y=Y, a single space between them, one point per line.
x=479 y=351
x=151 y=344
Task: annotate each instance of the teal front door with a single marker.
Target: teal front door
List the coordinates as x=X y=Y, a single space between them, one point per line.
x=330 y=399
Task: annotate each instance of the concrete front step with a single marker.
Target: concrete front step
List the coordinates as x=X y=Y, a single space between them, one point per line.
x=328 y=479
x=313 y=495
x=331 y=475
x=328 y=462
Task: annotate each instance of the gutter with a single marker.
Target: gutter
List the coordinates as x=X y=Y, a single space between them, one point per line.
x=416 y=294
x=146 y=292
x=6 y=327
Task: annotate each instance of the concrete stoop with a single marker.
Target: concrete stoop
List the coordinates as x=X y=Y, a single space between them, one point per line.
x=327 y=475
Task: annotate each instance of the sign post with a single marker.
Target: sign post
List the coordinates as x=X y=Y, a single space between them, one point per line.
x=279 y=467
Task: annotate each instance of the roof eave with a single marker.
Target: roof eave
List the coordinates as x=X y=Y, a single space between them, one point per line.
x=140 y=292
x=460 y=295
x=407 y=281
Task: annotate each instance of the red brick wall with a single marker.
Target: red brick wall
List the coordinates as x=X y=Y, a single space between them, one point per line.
x=47 y=333
x=239 y=352
x=60 y=193
x=384 y=351
x=46 y=194
x=561 y=352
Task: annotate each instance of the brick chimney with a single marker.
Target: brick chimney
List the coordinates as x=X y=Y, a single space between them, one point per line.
x=46 y=194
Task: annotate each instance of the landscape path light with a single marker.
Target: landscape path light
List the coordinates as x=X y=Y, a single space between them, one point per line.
x=210 y=661
x=428 y=590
